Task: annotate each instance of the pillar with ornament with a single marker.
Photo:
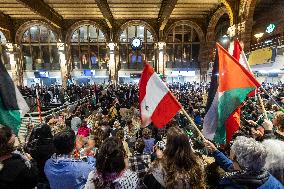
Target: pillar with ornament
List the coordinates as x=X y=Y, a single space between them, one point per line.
x=63 y=64
x=12 y=51
x=111 y=62
x=161 y=60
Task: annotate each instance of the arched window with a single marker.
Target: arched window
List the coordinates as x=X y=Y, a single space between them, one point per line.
x=132 y=58
x=88 y=48
x=39 y=49
x=221 y=29
x=183 y=46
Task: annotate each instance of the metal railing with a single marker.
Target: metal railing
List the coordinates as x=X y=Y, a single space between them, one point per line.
x=33 y=117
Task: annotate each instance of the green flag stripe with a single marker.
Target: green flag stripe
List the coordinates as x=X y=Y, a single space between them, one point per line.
x=10 y=118
x=228 y=102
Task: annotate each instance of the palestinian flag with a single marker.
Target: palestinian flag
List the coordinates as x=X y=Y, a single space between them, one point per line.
x=234 y=120
x=230 y=85
x=12 y=103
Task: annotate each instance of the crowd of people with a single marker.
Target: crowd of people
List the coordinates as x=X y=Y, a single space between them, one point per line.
x=101 y=145
x=56 y=94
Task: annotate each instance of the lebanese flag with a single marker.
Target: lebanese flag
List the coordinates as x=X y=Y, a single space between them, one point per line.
x=157 y=103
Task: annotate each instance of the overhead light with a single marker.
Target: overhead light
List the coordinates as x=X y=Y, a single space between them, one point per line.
x=258 y=35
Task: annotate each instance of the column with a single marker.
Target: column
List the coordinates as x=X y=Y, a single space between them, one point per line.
x=112 y=62
x=63 y=64
x=161 y=62
x=12 y=51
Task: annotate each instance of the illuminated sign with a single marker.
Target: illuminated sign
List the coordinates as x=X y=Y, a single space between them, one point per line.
x=270 y=28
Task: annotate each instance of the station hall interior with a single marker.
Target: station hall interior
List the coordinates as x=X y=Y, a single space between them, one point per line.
x=53 y=42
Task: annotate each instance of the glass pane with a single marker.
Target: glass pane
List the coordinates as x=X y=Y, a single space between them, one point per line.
x=37 y=61
x=44 y=34
x=150 y=52
x=101 y=36
x=53 y=37
x=169 y=56
x=75 y=57
x=2 y=38
x=54 y=58
x=195 y=53
x=103 y=57
x=75 y=36
x=83 y=34
x=123 y=37
x=131 y=32
x=123 y=56
x=27 y=59
x=186 y=55
x=149 y=37
x=178 y=54
x=26 y=37
x=94 y=57
x=84 y=56
x=93 y=34
x=46 y=57
x=140 y=32
x=187 y=34
x=195 y=36
x=34 y=33
x=178 y=34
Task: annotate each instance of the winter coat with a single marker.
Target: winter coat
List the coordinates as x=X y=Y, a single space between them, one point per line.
x=16 y=172
x=244 y=179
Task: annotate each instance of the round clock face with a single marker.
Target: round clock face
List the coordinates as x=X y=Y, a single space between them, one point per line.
x=136 y=43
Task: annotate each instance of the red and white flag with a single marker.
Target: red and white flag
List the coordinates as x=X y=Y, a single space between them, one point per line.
x=157 y=103
x=239 y=54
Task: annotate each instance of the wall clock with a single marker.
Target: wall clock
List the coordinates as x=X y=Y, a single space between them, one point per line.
x=136 y=43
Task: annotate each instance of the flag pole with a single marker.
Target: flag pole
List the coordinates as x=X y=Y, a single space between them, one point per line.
x=38 y=106
x=193 y=124
x=262 y=106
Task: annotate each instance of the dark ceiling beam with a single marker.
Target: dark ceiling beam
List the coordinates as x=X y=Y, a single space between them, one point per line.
x=105 y=10
x=5 y=22
x=44 y=10
x=165 y=12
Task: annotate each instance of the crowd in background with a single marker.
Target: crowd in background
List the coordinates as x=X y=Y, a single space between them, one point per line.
x=100 y=144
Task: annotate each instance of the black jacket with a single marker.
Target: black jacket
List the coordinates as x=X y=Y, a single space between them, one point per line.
x=16 y=174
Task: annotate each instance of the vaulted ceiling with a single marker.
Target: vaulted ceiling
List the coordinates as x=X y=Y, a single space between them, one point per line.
x=56 y=11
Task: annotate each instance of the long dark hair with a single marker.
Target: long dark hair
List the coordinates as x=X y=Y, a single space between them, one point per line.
x=5 y=135
x=110 y=158
x=180 y=162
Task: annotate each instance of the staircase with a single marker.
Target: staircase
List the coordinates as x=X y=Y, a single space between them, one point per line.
x=33 y=117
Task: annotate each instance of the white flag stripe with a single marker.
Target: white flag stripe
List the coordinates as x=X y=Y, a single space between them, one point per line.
x=211 y=119
x=155 y=91
x=22 y=104
x=244 y=62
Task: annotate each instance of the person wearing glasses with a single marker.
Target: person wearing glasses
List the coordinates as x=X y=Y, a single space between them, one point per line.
x=245 y=167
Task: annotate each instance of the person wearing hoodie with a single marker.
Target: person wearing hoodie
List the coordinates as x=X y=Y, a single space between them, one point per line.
x=84 y=130
x=63 y=171
x=40 y=147
x=246 y=166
